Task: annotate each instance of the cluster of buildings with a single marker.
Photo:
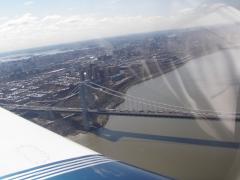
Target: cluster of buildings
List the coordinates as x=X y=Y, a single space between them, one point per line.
x=129 y=59
x=53 y=79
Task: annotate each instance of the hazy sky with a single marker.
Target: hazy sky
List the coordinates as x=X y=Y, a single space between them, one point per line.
x=32 y=23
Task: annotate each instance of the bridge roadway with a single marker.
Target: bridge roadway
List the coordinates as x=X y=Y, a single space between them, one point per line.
x=160 y=114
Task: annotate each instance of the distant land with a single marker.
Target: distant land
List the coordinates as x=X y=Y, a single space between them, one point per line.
x=66 y=47
x=50 y=76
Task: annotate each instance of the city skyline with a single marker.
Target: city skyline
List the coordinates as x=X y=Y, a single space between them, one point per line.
x=33 y=23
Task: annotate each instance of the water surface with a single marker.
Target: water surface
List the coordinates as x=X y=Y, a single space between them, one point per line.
x=180 y=148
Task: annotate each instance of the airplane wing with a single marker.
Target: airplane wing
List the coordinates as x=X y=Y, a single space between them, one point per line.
x=28 y=151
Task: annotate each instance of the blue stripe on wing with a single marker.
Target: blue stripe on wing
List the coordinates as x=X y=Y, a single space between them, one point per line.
x=54 y=165
x=110 y=171
x=87 y=167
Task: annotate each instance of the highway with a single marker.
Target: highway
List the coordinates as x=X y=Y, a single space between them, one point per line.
x=156 y=114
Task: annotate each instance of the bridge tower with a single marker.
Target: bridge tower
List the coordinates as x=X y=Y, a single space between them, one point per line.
x=83 y=101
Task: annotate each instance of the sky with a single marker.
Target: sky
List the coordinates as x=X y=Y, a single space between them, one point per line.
x=33 y=23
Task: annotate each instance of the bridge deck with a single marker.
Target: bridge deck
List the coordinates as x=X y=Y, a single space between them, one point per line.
x=166 y=114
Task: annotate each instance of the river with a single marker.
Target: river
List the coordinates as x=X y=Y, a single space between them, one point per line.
x=180 y=148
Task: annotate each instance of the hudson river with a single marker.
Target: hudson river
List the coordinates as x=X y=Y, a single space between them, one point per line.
x=181 y=148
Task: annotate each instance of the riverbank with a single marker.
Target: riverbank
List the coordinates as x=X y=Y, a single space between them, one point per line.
x=152 y=143
x=112 y=103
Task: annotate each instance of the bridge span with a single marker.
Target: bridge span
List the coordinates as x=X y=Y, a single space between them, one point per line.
x=147 y=108
x=156 y=114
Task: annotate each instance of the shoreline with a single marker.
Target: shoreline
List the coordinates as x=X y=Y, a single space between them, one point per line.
x=102 y=120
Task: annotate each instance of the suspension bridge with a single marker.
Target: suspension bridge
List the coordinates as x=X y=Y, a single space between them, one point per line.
x=132 y=106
